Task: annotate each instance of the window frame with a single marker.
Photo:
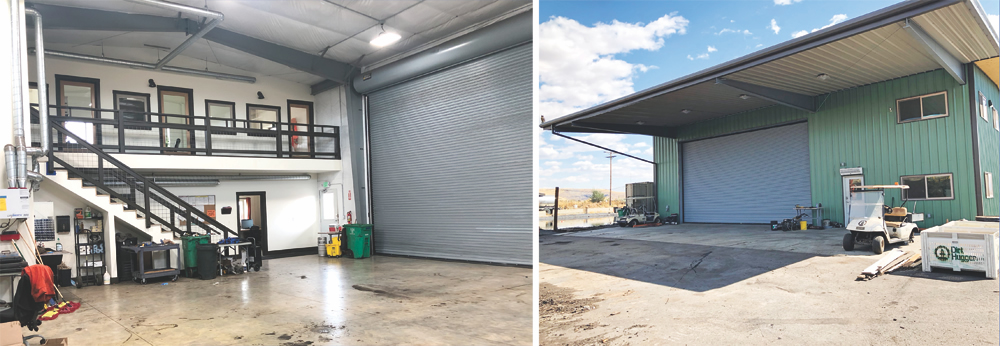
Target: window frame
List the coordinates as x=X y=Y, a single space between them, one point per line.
x=982 y=106
x=231 y=123
x=951 y=182
x=277 y=116
x=311 y=114
x=988 y=178
x=947 y=109
x=149 y=99
x=163 y=119
x=95 y=94
x=996 y=118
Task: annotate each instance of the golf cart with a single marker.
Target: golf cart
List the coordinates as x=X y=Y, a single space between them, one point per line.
x=631 y=216
x=872 y=222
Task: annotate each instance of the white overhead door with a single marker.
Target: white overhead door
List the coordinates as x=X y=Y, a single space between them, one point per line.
x=751 y=177
x=451 y=161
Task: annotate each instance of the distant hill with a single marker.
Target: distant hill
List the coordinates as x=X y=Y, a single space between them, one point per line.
x=579 y=194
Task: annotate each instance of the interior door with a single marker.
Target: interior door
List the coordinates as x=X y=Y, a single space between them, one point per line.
x=850 y=181
x=178 y=104
x=300 y=116
x=79 y=92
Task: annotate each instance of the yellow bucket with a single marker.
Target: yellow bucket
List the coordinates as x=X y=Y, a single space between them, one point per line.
x=804 y=225
x=333 y=249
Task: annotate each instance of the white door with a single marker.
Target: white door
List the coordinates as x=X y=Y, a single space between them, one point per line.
x=849 y=181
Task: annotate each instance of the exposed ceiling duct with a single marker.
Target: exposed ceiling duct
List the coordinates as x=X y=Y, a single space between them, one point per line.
x=167 y=178
x=216 y=18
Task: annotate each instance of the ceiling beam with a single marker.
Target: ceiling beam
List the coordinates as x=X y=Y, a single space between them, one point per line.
x=657 y=131
x=950 y=64
x=73 y=18
x=323 y=86
x=61 y=17
x=787 y=98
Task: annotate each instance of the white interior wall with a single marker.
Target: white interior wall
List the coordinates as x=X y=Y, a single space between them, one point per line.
x=331 y=109
x=63 y=203
x=292 y=208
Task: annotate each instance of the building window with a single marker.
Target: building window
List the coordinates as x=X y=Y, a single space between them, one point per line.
x=922 y=107
x=263 y=117
x=83 y=95
x=224 y=111
x=982 y=106
x=989 y=184
x=929 y=186
x=132 y=107
x=176 y=107
x=996 y=119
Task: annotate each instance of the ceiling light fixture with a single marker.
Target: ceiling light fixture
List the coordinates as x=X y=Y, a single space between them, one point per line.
x=685 y=111
x=823 y=76
x=384 y=38
x=745 y=96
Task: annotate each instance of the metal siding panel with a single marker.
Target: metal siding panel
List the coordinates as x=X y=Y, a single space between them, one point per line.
x=668 y=188
x=752 y=177
x=451 y=162
x=989 y=142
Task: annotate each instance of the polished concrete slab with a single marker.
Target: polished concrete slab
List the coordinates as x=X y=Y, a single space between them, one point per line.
x=697 y=284
x=309 y=300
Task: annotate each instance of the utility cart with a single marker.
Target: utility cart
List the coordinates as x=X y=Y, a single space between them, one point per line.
x=876 y=224
x=140 y=273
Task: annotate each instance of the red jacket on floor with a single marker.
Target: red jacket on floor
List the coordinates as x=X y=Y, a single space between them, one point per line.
x=42 y=287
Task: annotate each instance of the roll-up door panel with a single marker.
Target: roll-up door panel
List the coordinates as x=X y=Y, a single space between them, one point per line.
x=752 y=177
x=451 y=161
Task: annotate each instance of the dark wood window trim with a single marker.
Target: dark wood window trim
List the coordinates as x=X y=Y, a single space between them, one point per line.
x=116 y=93
x=232 y=115
x=308 y=128
x=97 y=100
x=159 y=109
x=278 y=117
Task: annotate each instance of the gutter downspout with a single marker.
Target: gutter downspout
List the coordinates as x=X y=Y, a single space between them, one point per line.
x=216 y=17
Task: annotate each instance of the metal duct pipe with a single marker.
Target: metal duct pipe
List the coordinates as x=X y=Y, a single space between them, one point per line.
x=165 y=178
x=22 y=162
x=36 y=180
x=217 y=17
x=497 y=36
x=199 y=183
x=10 y=157
x=15 y=62
x=217 y=75
x=43 y=109
x=136 y=64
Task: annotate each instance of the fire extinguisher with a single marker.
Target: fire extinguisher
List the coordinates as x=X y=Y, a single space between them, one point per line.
x=349 y=220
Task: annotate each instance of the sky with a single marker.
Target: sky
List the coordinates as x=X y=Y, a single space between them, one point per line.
x=592 y=52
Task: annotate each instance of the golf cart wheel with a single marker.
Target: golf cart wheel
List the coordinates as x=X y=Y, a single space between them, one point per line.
x=849 y=242
x=878 y=245
x=910 y=240
x=657 y=220
x=632 y=223
x=622 y=224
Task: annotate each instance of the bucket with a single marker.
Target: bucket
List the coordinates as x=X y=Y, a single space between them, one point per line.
x=804 y=225
x=321 y=242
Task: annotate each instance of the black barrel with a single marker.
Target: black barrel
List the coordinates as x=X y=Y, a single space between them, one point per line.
x=208 y=261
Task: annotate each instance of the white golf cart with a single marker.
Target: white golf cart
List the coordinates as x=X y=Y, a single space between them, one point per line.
x=872 y=222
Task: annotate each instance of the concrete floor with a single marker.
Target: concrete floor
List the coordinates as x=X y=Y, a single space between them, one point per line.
x=731 y=284
x=309 y=300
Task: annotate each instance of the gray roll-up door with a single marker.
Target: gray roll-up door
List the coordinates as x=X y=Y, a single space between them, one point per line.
x=451 y=161
x=751 y=177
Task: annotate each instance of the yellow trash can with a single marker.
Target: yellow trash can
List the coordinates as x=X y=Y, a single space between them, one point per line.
x=333 y=248
x=804 y=225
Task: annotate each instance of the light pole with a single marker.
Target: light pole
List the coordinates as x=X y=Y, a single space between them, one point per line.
x=610 y=156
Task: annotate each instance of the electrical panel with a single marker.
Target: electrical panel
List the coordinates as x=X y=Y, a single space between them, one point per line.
x=14 y=204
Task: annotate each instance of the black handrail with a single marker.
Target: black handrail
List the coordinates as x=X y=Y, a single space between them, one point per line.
x=183 y=208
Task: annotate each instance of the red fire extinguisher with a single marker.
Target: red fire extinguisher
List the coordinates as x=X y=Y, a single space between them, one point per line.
x=349 y=217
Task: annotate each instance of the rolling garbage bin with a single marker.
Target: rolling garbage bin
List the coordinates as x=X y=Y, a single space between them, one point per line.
x=189 y=244
x=208 y=261
x=359 y=239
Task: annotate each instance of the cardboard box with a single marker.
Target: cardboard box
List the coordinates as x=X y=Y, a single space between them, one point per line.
x=10 y=334
x=57 y=342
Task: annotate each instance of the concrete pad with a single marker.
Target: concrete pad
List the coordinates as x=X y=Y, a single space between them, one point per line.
x=736 y=284
x=310 y=300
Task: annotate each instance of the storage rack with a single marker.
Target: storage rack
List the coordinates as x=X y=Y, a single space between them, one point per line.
x=90 y=266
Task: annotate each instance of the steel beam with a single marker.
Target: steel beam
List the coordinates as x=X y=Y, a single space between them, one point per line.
x=950 y=64
x=73 y=18
x=598 y=146
x=323 y=86
x=787 y=98
x=302 y=61
x=657 y=131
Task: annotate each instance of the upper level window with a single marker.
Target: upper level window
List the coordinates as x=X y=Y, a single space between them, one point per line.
x=996 y=120
x=929 y=186
x=922 y=107
x=221 y=110
x=982 y=106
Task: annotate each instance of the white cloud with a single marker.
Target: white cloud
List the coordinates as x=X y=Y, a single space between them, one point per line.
x=836 y=19
x=578 y=66
x=995 y=21
x=785 y=2
x=774 y=26
x=734 y=31
x=699 y=56
x=552 y=163
x=798 y=34
x=759 y=45
x=640 y=145
x=712 y=49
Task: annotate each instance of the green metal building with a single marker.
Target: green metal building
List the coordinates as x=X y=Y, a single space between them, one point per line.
x=905 y=94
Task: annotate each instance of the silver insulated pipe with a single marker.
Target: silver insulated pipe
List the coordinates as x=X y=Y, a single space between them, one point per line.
x=22 y=163
x=10 y=157
x=15 y=68
x=43 y=94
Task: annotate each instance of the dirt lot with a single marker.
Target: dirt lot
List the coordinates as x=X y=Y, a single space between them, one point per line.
x=729 y=284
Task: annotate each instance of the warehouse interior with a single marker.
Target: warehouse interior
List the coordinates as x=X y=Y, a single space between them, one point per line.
x=307 y=148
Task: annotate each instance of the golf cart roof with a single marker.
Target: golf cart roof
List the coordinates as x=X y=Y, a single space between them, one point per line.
x=881 y=187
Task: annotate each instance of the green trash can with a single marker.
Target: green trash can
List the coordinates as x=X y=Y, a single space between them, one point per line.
x=359 y=239
x=190 y=246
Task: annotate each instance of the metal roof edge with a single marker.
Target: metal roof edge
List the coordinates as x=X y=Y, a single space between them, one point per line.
x=872 y=20
x=977 y=10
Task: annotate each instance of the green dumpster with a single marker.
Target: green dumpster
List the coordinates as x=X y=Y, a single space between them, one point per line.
x=359 y=239
x=190 y=245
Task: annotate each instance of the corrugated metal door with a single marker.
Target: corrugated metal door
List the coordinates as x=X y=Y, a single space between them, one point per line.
x=751 y=177
x=451 y=162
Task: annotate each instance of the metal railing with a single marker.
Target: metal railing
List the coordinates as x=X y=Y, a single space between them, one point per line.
x=172 y=134
x=155 y=204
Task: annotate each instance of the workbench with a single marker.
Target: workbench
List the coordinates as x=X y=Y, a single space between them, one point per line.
x=142 y=274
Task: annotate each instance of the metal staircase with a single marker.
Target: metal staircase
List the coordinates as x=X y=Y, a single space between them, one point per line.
x=73 y=158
